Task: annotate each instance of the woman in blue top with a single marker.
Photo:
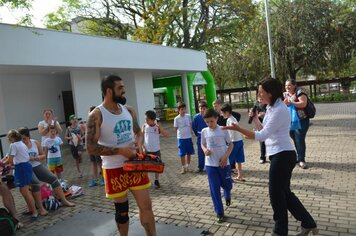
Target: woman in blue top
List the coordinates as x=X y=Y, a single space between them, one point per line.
x=274 y=131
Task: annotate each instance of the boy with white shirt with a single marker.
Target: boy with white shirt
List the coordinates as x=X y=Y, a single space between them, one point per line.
x=237 y=155
x=183 y=126
x=213 y=143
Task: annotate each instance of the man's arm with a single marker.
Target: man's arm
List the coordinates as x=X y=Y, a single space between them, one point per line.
x=93 y=135
x=136 y=128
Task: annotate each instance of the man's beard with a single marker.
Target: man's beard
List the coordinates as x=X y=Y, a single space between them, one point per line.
x=119 y=99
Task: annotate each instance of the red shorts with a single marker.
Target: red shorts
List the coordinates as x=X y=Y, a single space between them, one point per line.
x=118 y=182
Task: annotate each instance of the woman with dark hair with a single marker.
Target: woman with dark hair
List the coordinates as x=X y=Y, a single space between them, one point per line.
x=274 y=131
x=40 y=172
x=299 y=99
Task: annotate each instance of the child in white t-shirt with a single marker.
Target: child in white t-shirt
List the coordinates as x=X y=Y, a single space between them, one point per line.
x=237 y=155
x=151 y=134
x=18 y=156
x=52 y=149
x=213 y=143
x=183 y=126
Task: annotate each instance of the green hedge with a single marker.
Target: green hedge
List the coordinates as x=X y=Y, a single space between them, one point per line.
x=335 y=97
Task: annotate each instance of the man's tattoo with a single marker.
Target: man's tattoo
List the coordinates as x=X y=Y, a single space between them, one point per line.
x=92 y=143
x=136 y=127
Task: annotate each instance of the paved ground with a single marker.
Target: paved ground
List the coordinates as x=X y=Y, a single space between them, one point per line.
x=327 y=188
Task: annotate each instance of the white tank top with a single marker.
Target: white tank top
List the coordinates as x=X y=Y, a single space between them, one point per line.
x=115 y=131
x=32 y=152
x=151 y=138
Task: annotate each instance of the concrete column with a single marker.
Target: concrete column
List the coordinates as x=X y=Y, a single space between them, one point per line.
x=86 y=91
x=139 y=92
x=3 y=128
x=185 y=91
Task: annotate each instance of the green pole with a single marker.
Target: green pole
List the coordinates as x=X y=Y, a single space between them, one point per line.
x=171 y=98
x=190 y=78
x=210 y=89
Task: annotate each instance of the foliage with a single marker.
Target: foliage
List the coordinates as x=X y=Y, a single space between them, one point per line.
x=335 y=97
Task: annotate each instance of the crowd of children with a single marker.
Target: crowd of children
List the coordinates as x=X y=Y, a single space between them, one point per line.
x=217 y=148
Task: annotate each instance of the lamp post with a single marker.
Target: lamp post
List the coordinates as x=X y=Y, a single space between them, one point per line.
x=273 y=73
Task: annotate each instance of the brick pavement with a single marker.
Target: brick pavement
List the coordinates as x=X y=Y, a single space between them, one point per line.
x=327 y=188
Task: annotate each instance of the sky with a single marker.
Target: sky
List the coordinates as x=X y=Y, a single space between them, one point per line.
x=40 y=8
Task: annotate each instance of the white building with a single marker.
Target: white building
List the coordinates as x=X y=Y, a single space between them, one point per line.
x=42 y=68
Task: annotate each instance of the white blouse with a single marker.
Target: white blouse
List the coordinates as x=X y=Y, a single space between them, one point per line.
x=275 y=131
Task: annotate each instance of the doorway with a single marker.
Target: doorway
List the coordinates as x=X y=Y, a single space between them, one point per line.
x=67 y=105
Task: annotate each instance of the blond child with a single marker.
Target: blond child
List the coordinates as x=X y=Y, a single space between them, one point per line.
x=19 y=157
x=52 y=150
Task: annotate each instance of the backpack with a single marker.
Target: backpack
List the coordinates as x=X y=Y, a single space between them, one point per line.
x=310 y=109
x=7 y=223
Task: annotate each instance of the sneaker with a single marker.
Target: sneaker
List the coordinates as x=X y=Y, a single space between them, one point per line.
x=182 y=170
x=102 y=182
x=93 y=183
x=262 y=162
x=220 y=219
x=228 y=202
x=157 y=185
x=302 y=165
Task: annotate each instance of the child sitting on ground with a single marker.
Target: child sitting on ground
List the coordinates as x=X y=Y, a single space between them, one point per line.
x=151 y=132
x=52 y=150
x=213 y=143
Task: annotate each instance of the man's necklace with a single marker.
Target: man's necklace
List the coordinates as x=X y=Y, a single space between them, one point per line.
x=115 y=112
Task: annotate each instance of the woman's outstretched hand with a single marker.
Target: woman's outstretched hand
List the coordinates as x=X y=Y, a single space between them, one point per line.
x=233 y=126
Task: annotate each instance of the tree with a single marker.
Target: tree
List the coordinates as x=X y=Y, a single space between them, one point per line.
x=305 y=39
x=20 y=4
x=180 y=23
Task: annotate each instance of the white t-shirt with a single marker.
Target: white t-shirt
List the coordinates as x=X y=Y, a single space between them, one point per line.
x=52 y=144
x=19 y=151
x=234 y=135
x=45 y=125
x=184 y=126
x=151 y=139
x=216 y=141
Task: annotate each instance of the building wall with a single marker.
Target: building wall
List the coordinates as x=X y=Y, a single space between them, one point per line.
x=23 y=99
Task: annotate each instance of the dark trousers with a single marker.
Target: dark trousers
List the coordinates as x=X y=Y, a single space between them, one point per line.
x=281 y=197
x=201 y=155
x=263 y=151
x=298 y=137
x=219 y=178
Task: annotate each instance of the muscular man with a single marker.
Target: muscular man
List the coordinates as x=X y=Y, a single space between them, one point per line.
x=111 y=132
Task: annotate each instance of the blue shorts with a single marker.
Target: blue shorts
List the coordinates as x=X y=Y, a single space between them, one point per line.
x=185 y=147
x=237 y=154
x=23 y=174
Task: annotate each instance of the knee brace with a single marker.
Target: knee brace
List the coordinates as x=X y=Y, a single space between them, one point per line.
x=122 y=212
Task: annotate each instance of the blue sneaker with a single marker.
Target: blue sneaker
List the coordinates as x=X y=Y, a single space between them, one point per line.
x=93 y=183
